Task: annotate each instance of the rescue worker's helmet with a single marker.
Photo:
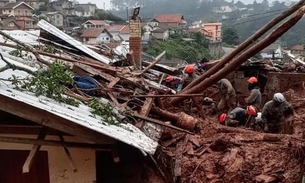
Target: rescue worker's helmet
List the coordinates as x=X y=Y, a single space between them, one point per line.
x=252 y=80
x=278 y=97
x=222 y=118
x=251 y=111
x=189 y=69
x=169 y=79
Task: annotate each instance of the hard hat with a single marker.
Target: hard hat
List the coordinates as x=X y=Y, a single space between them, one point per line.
x=278 y=97
x=252 y=80
x=251 y=111
x=189 y=69
x=169 y=78
x=222 y=118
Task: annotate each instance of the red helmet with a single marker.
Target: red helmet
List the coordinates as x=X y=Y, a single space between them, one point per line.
x=222 y=118
x=252 y=80
x=169 y=78
x=189 y=69
x=251 y=111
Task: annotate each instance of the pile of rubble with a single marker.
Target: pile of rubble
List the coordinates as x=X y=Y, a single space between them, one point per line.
x=191 y=149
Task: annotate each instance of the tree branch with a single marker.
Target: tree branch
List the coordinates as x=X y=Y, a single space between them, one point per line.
x=27 y=47
x=14 y=67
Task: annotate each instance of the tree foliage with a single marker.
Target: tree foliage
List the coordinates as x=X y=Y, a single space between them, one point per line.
x=50 y=83
x=230 y=36
x=176 y=47
x=106 y=15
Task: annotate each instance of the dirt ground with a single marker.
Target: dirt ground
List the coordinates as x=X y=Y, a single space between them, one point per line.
x=224 y=154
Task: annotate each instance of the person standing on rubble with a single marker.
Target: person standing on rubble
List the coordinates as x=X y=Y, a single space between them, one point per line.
x=190 y=76
x=255 y=97
x=228 y=96
x=274 y=112
x=238 y=116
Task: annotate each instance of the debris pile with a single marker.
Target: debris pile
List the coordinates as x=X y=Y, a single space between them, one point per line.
x=198 y=150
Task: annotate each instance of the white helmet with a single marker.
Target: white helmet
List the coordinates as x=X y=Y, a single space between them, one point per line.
x=278 y=97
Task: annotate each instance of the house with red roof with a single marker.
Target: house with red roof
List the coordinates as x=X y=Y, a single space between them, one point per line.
x=94 y=24
x=170 y=21
x=17 y=9
x=298 y=50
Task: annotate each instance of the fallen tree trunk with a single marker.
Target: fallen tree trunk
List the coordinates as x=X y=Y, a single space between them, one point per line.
x=243 y=57
x=237 y=50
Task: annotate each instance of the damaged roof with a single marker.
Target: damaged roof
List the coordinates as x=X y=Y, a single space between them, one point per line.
x=81 y=115
x=76 y=44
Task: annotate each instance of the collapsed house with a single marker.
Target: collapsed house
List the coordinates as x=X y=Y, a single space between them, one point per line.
x=124 y=131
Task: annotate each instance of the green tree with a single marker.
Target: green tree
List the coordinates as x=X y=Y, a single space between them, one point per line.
x=106 y=15
x=230 y=36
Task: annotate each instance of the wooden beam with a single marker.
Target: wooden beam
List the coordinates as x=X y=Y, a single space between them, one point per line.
x=94 y=71
x=113 y=82
x=158 y=122
x=170 y=95
x=157 y=59
x=26 y=129
x=72 y=163
x=45 y=118
x=29 y=160
x=19 y=140
x=145 y=109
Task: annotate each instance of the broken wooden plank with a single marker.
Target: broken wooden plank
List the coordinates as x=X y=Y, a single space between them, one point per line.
x=29 y=160
x=113 y=82
x=157 y=59
x=178 y=159
x=169 y=95
x=72 y=163
x=94 y=71
x=145 y=109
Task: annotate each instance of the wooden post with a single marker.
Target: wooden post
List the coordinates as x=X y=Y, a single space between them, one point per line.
x=72 y=163
x=29 y=161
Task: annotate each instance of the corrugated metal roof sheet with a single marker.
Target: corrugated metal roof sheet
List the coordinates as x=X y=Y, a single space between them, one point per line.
x=78 y=45
x=81 y=115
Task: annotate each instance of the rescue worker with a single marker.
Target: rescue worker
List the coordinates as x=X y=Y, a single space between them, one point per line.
x=187 y=79
x=274 y=112
x=228 y=96
x=238 y=116
x=173 y=82
x=255 y=97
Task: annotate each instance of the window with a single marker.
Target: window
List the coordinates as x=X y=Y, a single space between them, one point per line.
x=87 y=39
x=11 y=24
x=107 y=38
x=9 y=11
x=27 y=23
x=57 y=16
x=57 y=22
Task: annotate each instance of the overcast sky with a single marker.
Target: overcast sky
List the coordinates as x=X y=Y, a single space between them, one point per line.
x=100 y=3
